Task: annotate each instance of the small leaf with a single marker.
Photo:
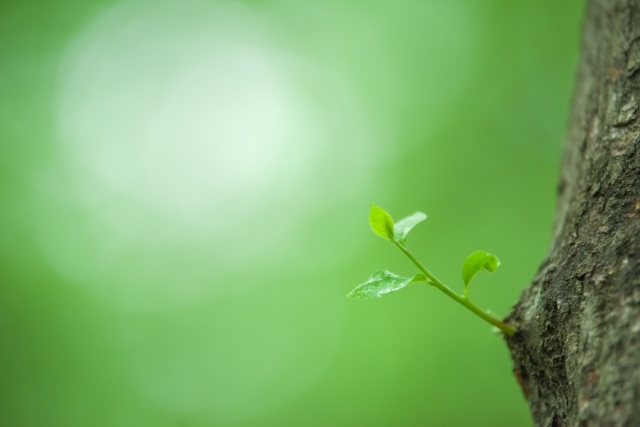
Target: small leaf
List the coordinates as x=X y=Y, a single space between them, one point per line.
x=383 y=282
x=476 y=262
x=381 y=222
x=404 y=226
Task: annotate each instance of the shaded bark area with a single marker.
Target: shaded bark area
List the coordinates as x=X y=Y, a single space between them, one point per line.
x=577 y=348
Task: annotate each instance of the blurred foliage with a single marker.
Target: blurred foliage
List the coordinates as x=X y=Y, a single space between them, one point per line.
x=184 y=190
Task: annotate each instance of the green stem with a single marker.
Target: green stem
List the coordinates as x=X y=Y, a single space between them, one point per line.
x=462 y=299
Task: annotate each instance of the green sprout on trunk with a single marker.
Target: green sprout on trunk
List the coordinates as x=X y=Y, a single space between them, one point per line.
x=384 y=282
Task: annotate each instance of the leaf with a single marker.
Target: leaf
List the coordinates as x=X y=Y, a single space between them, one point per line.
x=404 y=226
x=383 y=282
x=476 y=262
x=381 y=222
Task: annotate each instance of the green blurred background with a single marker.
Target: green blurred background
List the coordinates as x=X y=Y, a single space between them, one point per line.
x=184 y=195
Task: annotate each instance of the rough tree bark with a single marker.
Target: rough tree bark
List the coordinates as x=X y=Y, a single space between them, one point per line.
x=577 y=349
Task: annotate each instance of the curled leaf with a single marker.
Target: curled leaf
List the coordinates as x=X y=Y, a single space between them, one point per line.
x=404 y=226
x=383 y=282
x=381 y=222
x=476 y=262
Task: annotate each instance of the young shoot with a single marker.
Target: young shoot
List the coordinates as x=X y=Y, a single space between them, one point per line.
x=384 y=282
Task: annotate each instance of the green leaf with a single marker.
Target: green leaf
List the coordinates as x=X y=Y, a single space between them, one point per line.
x=383 y=282
x=404 y=226
x=476 y=262
x=381 y=222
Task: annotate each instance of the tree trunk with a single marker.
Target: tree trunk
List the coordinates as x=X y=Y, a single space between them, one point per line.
x=577 y=347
